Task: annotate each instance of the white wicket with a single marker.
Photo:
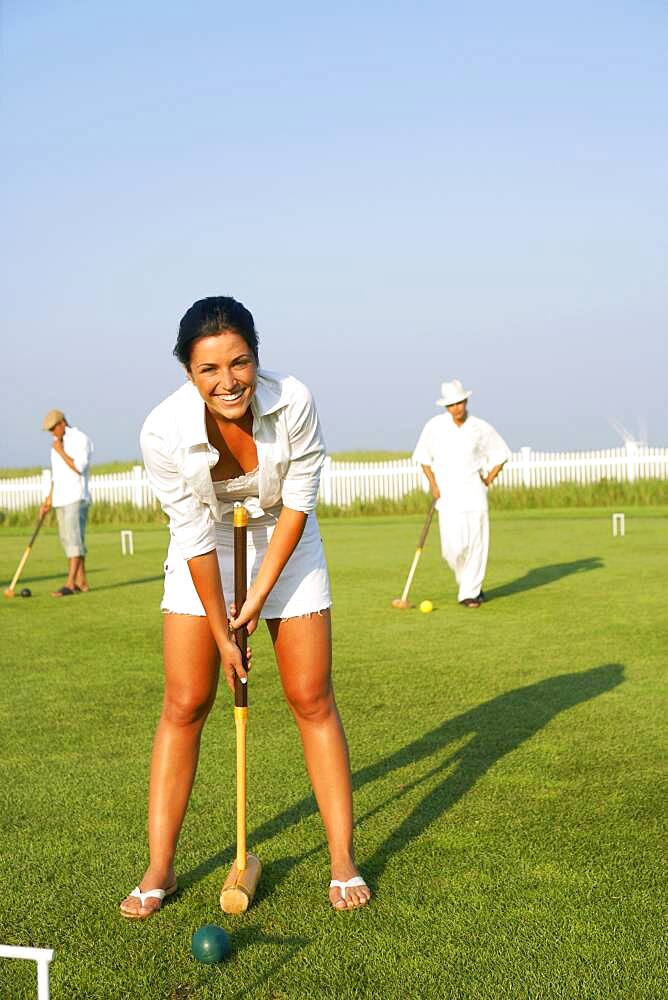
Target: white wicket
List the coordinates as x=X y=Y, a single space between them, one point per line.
x=618 y=522
x=40 y=955
x=127 y=538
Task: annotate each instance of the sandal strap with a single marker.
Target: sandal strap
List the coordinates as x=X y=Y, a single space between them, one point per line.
x=352 y=883
x=149 y=894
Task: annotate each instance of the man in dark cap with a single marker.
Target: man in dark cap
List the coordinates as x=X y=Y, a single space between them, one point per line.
x=69 y=495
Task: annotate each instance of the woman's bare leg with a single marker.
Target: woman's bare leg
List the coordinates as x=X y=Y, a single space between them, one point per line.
x=191 y=678
x=303 y=649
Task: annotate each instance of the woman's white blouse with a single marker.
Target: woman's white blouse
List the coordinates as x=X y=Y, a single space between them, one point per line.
x=178 y=457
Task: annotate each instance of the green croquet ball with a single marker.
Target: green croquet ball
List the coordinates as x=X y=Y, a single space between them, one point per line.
x=210 y=944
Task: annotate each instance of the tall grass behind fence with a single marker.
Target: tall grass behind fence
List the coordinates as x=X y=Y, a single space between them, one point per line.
x=615 y=495
x=606 y=493
x=101 y=513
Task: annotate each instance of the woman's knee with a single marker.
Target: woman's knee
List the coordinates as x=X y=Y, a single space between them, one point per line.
x=186 y=709
x=310 y=704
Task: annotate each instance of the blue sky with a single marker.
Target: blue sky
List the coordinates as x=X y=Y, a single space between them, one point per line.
x=400 y=193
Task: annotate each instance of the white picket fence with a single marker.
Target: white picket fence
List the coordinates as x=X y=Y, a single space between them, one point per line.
x=115 y=487
x=538 y=468
x=341 y=483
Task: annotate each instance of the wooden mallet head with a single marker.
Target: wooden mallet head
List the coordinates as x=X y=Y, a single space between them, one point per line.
x=240 y=885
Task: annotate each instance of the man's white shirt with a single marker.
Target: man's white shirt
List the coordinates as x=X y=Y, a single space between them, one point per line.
x=457 y=455
x=70 y=486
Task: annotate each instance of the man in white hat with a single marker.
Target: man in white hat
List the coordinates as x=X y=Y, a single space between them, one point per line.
x=461 y=455
x=69 y=495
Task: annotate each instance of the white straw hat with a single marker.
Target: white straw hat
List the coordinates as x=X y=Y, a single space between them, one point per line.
x=452 y=392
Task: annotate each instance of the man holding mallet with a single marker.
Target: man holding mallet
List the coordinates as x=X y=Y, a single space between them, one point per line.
x=69 y=495
x=461 y=456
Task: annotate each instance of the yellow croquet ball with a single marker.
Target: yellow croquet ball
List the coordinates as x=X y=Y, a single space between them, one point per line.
x=426 y=607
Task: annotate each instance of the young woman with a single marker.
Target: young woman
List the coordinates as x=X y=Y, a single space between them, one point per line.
x=235 y=433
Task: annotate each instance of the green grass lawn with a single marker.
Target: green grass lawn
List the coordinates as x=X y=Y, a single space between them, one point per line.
x=506 y=761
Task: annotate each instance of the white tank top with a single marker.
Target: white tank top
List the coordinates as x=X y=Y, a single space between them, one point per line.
x=244 y=489
x=230 y=490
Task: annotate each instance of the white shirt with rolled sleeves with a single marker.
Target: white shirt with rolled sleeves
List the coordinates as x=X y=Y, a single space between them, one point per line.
x=457 y=455
x=70 y=486
x=178 y=456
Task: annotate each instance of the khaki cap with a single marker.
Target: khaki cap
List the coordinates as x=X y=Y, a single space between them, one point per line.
x=52 y=418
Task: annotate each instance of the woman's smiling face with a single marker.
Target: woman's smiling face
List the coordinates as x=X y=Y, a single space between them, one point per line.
x=224 y=370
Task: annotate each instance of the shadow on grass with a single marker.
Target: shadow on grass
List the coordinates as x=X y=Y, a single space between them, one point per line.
x=252 y=936
x=543 y=575
x=128 y=583
x=32 y=580
x=28 y=577
x=494 y=729
x=246 y=937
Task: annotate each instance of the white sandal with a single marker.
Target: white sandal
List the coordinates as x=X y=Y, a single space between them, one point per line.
x=352 y=883
x=160 y=894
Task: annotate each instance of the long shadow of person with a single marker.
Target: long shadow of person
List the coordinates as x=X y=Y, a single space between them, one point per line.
x=104 y=586
x=130 y=583
x=288 y=948
x=491 y=731
x=542 y=575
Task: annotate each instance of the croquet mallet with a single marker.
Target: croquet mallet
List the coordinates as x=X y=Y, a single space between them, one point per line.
x=240 y=885
x=24 y=558
x=403 y=602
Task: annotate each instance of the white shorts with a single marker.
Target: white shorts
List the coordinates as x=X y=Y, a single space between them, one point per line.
x=302 y=587
x=72 y=528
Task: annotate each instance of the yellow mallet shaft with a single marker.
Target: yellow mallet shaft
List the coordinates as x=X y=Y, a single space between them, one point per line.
x=240 y=885
x=24 y=558
x=403 y=602
x=241 y=725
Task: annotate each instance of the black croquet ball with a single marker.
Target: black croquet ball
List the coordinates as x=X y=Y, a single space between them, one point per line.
x=26 y=592
x=210 y=944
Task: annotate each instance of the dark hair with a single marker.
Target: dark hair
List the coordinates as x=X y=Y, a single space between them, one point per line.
x=211 y=316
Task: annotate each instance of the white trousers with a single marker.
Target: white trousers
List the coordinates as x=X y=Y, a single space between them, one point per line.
x=465 y=547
